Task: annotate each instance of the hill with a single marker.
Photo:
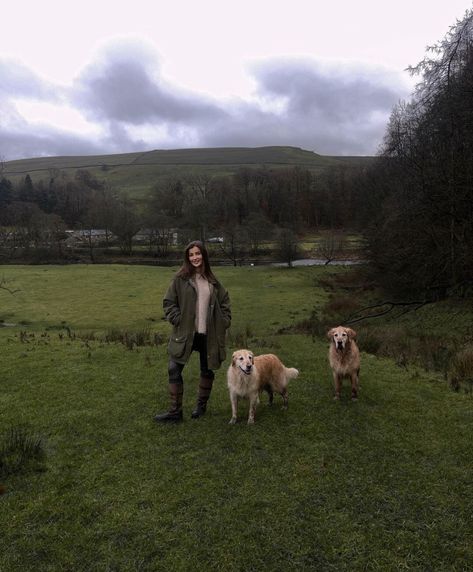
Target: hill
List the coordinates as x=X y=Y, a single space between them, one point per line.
x=137 y=172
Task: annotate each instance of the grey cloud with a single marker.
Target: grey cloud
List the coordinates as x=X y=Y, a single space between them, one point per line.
x=331 y=110
x=19 y=144
x=338 y=90
x=126 y=86
x=18 y=81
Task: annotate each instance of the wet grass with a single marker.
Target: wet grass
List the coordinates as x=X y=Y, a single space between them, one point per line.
x=380 y=484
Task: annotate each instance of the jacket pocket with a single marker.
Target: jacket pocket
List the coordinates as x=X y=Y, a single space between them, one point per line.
x=221 y=320
x=177 y=346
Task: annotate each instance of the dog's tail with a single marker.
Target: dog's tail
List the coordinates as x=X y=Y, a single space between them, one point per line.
x=292 y=372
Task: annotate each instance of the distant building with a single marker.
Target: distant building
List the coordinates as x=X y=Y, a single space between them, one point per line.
x=84 y=235
x=147 y=235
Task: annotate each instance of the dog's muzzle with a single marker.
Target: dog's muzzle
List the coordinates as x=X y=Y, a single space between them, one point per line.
x=246 y=370
x=339 y=346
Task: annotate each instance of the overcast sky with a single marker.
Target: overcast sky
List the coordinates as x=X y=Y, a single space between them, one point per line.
x=109 y=76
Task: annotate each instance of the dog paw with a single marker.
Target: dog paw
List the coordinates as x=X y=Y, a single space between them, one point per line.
x=232 y=421
x=336 y=398
x=251 y=421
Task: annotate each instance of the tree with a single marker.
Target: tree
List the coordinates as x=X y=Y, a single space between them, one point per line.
x=125 y=224
x=235 y=244
x=161 y=233
x=198 y=205
x=85 y=177
x=26 y=191
x=287 y=245
x=6 y=197
x=168 y=198
x=420 y=235
x=258 y=229
x=330 y=246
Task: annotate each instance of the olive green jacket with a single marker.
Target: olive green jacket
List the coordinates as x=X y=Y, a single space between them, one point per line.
x=179 y=308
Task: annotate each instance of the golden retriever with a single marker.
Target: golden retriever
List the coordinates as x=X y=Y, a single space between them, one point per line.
x=249 y=375
x=344 y=358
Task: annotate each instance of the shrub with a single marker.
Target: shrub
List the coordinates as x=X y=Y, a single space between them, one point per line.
x=354 y=279
x=21 y=450
x=130 y=339
x=241 y=338
x=460 y=373
x=370 y=341
x=338 y=309
x=405 y=346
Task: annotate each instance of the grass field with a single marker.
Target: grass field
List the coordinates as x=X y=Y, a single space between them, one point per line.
x=380 y=484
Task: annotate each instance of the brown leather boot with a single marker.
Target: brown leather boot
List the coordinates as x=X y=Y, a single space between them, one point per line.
x=205 y=387
x=174 y=414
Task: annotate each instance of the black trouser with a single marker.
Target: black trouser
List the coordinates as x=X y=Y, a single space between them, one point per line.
x=199 y=344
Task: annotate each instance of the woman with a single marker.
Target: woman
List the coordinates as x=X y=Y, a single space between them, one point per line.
x=198 y=307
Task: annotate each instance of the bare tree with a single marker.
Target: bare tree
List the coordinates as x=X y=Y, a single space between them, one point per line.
x=161 y=233
x=330 y=247
x=199 y=208
x=259 y=229
x=235 y=244
x=126 y=224
x=287 y=245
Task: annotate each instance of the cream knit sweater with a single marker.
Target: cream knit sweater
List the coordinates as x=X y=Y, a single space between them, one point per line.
x=204 y=289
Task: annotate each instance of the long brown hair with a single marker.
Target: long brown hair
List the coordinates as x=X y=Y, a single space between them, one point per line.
x=187 y=270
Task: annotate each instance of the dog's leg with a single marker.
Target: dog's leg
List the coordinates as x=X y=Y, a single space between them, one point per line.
x=253 y=403
x=234 y=402
x=337 y=380
x=269 y=391
x=354 y=386
x=285 y=398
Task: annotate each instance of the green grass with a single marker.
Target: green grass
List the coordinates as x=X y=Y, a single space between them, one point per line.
x=380 y=484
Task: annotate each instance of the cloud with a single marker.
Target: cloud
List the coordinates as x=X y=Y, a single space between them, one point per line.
x=126 y=86
x=336 y=109
x=16 y=143
x=330 y=108
x=20 y=82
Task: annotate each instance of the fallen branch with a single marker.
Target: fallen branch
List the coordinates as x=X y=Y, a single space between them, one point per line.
x=3 y=286
x=389 y=307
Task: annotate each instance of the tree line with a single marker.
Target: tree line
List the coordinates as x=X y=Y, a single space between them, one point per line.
x=417 y=199
x=247 y=208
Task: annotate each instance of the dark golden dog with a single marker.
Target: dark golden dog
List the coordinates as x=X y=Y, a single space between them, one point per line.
x=344 y=357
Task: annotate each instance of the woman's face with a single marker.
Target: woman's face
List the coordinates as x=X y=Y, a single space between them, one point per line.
x=195 y=258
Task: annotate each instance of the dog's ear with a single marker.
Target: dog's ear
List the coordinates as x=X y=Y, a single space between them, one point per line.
x=330 y=333
x=351 y=334
x=234 y=357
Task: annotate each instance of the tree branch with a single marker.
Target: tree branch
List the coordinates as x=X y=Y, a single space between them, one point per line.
x=407 y=307
x=3 y=286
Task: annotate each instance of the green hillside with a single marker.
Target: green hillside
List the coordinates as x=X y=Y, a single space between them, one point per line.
x=136 y=172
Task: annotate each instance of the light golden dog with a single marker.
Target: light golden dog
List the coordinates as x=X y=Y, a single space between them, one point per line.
x=248 y=376
x=344 y=357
